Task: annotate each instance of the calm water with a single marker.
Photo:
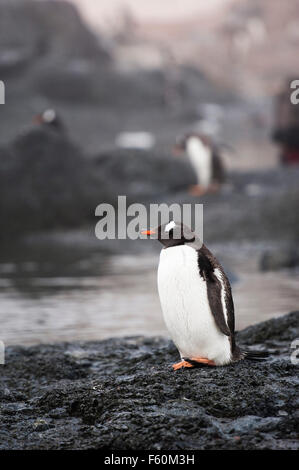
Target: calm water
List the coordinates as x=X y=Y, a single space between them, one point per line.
x=59 y=294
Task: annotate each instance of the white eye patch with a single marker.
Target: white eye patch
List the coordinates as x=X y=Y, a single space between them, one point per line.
x=169 y=226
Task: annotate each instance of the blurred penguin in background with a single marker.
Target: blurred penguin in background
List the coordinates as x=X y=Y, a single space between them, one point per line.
x=49 y=119
x=205 y=160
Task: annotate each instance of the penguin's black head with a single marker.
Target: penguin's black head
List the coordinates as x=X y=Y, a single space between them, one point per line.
x=172 y=234
x=48 y=118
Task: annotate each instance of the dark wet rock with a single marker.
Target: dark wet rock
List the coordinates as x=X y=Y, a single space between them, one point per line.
x=267 y=213
x=281 y=329
x=72 y=82
x=122 y=394
x=32 y=31
x=143 y=173
x=272 y=260
x=45 y=181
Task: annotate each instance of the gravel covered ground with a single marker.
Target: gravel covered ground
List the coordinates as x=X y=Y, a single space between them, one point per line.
x=122 y=394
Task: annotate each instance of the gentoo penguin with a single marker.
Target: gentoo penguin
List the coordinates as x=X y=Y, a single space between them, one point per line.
x=196 y=300
x=50 y=119
x=206 y=161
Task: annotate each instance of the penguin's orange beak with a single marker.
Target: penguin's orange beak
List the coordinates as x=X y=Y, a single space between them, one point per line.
x=148 y=232
x=38 y=119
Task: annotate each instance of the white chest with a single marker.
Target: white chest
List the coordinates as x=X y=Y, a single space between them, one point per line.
x=201 y=159
x=184 y=301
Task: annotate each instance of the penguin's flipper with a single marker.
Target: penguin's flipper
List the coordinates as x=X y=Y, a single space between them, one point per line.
x=218 y=168
x=215 y=300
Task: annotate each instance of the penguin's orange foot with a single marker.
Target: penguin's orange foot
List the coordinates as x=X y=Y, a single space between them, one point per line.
x=214 y=188
x=181 y=364
x=197 y=190
x=195 y=361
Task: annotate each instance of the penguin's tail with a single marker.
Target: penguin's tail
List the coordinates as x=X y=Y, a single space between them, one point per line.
x=254 y=355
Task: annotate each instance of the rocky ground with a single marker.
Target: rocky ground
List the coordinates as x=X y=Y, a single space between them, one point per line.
x=122 y=394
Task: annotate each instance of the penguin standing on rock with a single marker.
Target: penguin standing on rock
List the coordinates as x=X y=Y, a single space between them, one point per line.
x=205 y=160
x=196 y=300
